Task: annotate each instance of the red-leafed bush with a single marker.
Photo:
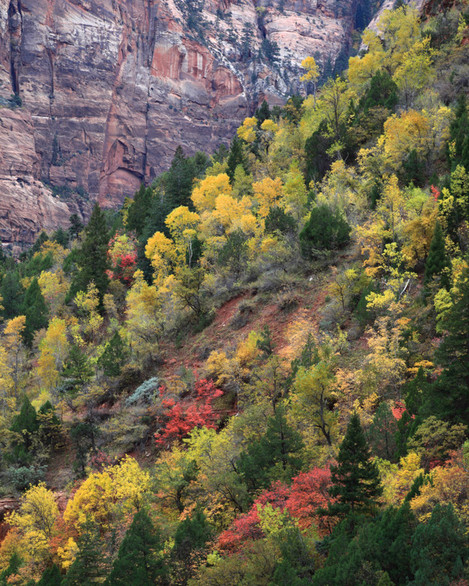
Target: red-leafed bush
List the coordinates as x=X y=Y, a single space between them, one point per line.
x=181 y=417
x=307 y=493
x=122 y=254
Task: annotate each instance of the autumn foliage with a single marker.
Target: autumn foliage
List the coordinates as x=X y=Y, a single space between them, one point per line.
x=179 y=418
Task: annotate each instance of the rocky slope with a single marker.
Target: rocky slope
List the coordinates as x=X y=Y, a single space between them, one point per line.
x=109 y=88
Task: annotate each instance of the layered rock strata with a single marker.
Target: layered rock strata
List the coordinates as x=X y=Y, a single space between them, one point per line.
x=110 y=88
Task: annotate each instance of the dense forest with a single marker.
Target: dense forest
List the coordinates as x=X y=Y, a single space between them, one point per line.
x=257 y=371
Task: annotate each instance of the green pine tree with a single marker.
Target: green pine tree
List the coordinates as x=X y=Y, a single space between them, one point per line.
x=440 y=549
x=76 y=373
x=355 y=480
x=11 y=292
x=460 y=135
x=14 y=565
x=448 y=397
x=139 y=562
x=190 y=547
x=114 y=356
x=236 y=157
x=91 y=563
x=92 y=259
x=262 y=113
x=35 y=310
x=437 y=260
x=25 y=424
x=138 y=210
x=275 y=456
x=326 y=229
x=51 y=577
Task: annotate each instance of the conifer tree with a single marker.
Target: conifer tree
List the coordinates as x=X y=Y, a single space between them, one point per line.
x=51 y=577
x=35 y=310
x=75 y=227
x=90 y=565
x=460 y=135
x=190 y=542
x=138 y=210
x=14 y=565
x=440 y=549
x=11 y=293
x=138 y=562
x=326 y=229
x=77 y=371
x=436 y=260
x=449 y=396
x=355 y=480
x=26 y=425
x=113 y=358
x=92 y=259
x=262 y=113
x=235 y=158
x=274 y=457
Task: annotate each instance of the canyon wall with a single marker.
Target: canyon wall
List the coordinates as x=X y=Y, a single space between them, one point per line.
x=109 y=89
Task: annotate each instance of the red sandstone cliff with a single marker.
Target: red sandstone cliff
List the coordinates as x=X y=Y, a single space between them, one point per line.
x=111 y=87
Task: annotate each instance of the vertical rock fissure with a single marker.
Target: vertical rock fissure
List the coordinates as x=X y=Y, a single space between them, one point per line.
x=15 y=27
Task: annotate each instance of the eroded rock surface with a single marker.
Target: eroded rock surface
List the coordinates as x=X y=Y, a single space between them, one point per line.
x=110 y=88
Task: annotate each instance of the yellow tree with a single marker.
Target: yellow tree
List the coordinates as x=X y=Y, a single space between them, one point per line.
x=415 y=71
x=183 y=225
x=144 y=323
x=391 y=206
x=35 y=520
x=402 y=134
x=294 y=197
x=312 y=73
x=91 y=321
x=54 y=287
x=13 y=344
x=247 y=131
x=161 y=252
x=108 y=496
x=267 y=194
x=205 y=194
x=313 y=394
x=53 y=351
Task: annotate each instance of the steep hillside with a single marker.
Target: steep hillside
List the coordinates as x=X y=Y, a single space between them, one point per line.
x=256 y=371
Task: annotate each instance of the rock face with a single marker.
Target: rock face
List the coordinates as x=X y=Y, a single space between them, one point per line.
x=110 y=88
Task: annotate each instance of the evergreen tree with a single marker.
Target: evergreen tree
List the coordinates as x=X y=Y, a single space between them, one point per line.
x=460 y=135
x=75 y=227
x=90 y=565
x=355 y=480
x=12 y=294
x=114 y=356
x=76 y=373
x=236 y=157
x=262 y=113
x=92 y=259
x=51 y=577
x=440 y=549
x=179 y=180
x=138 y=210
x=449 y=397
x=436 y=260
x=35 y=310
x=381 y=433
x=138 y=562
x=25 y=424
x=276 y=456
x=83 y=435
x=190 y=542
x=14 y=565
x=326 y=229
